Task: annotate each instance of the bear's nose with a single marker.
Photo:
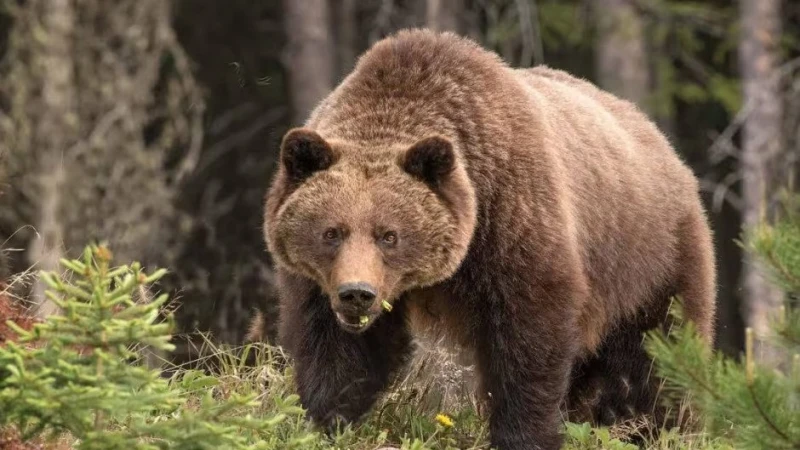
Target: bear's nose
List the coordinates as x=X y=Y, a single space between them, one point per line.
x=359 y=295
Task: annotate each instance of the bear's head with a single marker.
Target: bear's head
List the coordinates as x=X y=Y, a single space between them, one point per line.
x=368 y=224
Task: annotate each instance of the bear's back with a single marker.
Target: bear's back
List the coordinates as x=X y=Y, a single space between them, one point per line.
x=629 y=189
x=630 y=134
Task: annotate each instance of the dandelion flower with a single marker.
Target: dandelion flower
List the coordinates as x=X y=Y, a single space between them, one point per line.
x=444 y=420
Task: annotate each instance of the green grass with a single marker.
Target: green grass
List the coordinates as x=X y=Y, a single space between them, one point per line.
x=406 y=417
x=410 y=414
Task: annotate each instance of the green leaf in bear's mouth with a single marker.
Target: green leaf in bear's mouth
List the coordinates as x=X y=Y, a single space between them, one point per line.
x=363 y=320
x=387 y=306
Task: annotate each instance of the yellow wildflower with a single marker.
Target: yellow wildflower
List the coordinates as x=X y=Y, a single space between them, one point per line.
x=444 y=420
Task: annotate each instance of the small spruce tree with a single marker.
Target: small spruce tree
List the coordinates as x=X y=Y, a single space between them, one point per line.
x=78 y=375
x=751 y=405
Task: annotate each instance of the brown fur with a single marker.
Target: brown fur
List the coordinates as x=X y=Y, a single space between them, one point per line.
x=541 y=222
x=256 y=331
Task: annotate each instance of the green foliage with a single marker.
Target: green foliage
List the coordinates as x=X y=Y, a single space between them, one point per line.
x=562 y=25
x=751 y=405
x=779 y=246
x=696 y=42
x=78 y=374
x=584 y=437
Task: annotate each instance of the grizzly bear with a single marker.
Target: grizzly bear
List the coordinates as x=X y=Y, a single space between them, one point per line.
x=529 y=218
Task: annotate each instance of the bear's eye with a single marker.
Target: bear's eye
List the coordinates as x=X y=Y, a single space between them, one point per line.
x=331 y=234
x=389 y=238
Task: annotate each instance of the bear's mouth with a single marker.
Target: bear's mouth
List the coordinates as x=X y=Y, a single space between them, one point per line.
x=354 y=323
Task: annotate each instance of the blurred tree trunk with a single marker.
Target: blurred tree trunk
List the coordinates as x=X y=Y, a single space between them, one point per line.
x=659 y=102
x=346 y=27
x=54 y=130
x=96 y=114
x=620 y=58
x=761 y=146
x=309 y=54
x=444 y=15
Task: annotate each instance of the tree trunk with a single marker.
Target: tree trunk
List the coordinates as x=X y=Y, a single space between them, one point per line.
x=309 y=54
x=761 y=146
x=444 y=15
x=620 y=57
x=55 y=129
x=95 y=115
x=346 y=36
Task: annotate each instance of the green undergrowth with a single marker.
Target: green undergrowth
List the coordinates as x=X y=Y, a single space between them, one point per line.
x=80 y=379
x=404 y=419
x=753 y=401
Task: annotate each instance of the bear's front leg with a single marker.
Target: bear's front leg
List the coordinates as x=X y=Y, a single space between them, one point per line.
x=526 y=346
x=339 y=375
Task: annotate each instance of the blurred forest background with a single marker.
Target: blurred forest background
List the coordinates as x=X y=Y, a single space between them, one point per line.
x=154 y=125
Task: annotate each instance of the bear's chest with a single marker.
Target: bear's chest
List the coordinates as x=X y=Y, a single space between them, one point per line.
x=438 y=324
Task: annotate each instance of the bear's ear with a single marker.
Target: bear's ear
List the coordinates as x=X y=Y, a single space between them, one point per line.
x=430 y=159
x=304 y=152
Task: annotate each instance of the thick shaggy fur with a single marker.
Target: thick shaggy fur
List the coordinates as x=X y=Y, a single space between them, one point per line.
x=541 y=225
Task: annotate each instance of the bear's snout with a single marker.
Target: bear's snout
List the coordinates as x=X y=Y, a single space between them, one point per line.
x=355 y=306
x=358 y=296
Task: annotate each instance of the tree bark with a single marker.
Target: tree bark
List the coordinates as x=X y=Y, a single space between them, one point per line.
x=444 y=15
x=761 y=147
x=346 y=36
x=55 y=129
x=95 y=116
x=309 y=54
x=620 y=56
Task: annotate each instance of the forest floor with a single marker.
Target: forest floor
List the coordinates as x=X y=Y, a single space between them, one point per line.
x=428 y=408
